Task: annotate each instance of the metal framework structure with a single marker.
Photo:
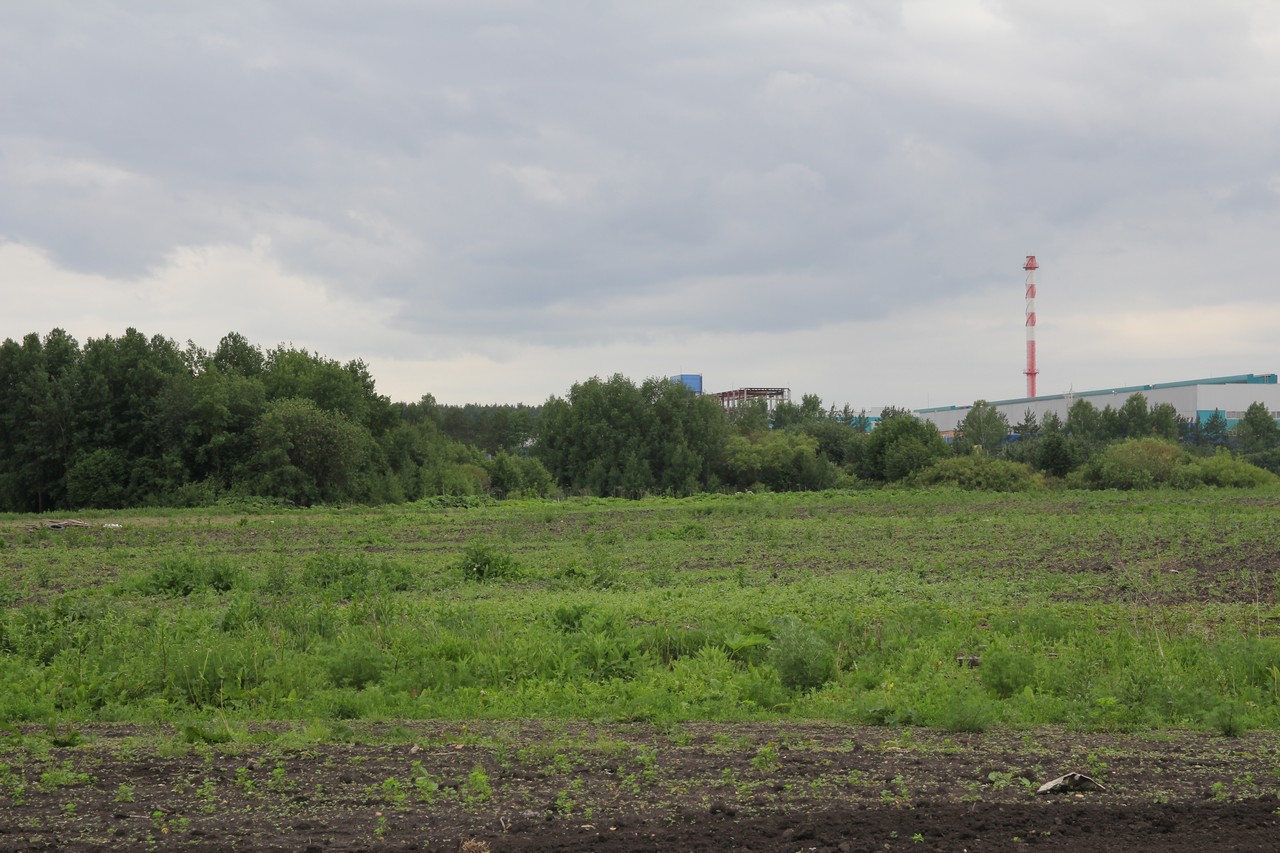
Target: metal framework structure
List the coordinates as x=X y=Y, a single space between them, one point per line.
x=741 y=396
x=1031 y=372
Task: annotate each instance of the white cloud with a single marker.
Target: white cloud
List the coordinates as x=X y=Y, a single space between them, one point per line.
x=200 y=293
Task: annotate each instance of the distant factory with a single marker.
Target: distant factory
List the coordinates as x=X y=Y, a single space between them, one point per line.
x=731 y=400
x=1194 y=399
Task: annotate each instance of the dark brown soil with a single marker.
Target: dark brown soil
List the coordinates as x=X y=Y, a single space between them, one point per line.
x=571 y=786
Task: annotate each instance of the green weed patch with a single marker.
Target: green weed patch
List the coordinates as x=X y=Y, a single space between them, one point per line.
x=1097 y=611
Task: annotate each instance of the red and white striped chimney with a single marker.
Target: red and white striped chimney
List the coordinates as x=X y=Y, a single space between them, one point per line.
x=1031 y=266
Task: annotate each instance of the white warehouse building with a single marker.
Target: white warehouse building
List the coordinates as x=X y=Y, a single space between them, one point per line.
x=1194 y=399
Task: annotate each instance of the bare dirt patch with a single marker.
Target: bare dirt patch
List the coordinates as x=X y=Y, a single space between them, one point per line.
x=573 y=786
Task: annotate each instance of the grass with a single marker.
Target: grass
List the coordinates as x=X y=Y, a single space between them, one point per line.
x=1098 y=611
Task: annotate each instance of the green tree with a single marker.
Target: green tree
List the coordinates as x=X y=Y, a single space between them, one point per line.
x=1029 y=426
x=511 y=475
x=1136 y=463
x=899 y=446
x=218 y=436
x=308 y=455
x=37 y=380
x=121 y=404
x=781 y=460
x=236 y=355
x=751 y=416
x=1111 y=426
x=423 y=462
x=1084 y=421
x=1055 y=454
x=595 y=442
x=838 y=442
x=344 y=388
x=610 y=437
x=1165 y=421
x=687 y=447
x=791 y=414
x=97 y=480
x=1257 y=431
x=983 y=426
x=1213 y=432
x=1134 y=417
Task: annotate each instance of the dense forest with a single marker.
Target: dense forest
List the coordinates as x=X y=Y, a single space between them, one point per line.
x=137 y=421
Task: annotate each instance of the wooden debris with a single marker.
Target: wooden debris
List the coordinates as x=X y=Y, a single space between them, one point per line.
x=59 y=525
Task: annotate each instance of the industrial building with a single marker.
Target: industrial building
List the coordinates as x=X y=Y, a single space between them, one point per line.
x=1194 y=399
x=731 y=400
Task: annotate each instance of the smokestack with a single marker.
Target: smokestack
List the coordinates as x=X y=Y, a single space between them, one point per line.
x=1031 y=266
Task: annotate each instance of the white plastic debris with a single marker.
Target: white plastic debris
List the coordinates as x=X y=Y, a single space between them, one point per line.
x=1071 y=782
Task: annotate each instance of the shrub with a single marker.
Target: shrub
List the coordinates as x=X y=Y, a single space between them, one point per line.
x=760 y=687
x=1229 y=718
x=355 y=665
x=901 y=446
x=183 y=576
x=803 y=659
x=483 y=562
x=1143 y=463
x=95 y=480
x=1224 y=470
x=779 y=460
x=348 y=576
x=1006 y=671
x=964 y=711
x=978 y=472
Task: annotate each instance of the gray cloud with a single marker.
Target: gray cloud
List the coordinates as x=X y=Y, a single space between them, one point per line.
x=560 y=174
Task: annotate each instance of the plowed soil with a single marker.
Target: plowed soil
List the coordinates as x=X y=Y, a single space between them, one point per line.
x=573 y=786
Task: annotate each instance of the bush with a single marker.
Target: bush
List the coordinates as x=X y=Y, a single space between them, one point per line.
x=1005 y=671
x=978 y=472
x=899 y=447
x=803 y=659
x=964 y=711
x=348 y=576
x=518 y=476
x=483 y=562
x=1143 y=463
x=182 y=576
x=1229 y=718
x=1224 y=470
x=95 y=480
x=355 y=665
x=779 y=460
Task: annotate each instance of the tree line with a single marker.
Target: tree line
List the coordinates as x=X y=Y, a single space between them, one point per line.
x=137 y=421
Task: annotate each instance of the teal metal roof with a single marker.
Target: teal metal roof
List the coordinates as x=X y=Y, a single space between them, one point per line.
x=1238 y=379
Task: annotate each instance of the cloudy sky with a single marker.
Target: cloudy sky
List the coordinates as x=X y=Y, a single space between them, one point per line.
x=488 y=200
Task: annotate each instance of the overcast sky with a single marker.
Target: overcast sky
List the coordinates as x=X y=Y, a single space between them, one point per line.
x=488 y=200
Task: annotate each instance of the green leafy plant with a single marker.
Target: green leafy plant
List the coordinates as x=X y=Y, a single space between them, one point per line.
x=802 y=658
x=766 y=758
x=484 y=562
x=477 y=788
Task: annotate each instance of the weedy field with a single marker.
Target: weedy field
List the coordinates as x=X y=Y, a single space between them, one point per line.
x=402 y=676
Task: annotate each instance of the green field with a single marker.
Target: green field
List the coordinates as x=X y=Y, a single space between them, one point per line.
x=1096 y=611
